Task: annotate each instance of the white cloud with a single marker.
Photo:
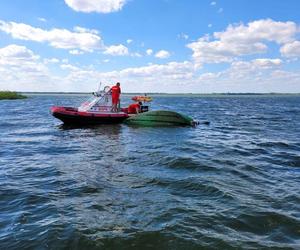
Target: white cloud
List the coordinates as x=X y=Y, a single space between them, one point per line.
x=155 y=77
x=260 y=30
x=85 y=30
x=129 y=41
x=100 y=6
x=209 y=25
x=242 y=68
x=291 y=49
x=42 y=19
x=247 y=70
x=267 y=63
x=213 y=3
x=162 y=54
x=149 y=52
x=239 y=40
x=78 y=41
x=172 y=70
x=20 y=68
x=14 y=54
x=82 y=39
x=51 y=60
x=218 y=51
x=69 y=67
x=116 y=50
x=258 y=75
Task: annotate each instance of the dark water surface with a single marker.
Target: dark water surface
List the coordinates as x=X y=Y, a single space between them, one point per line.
x=234 y=184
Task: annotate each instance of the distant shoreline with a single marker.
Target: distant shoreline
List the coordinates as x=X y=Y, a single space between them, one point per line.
x=166 y=94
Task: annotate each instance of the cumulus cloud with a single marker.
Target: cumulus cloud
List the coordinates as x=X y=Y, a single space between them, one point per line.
x=172 y=70
x=116 y=50
x=78 y=41
x=19 y=65
x=85 y=30
x=258 y=75
x=162 y=54
x=260 y=30
x=291 y=49
x=264 y=74
x=267 y=63
x=14 y=54
x=83 y=39
x=241 y=69
x=21 y=69
x=251 y=69
x=149 y=52
x=239 y=40
x=100 y=6
x=219 y=51
x=69 y=67
x=151 y=74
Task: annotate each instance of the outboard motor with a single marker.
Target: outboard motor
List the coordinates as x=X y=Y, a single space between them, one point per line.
x=144 y=108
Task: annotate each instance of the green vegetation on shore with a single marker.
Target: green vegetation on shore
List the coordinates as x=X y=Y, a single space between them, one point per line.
x=11 y=95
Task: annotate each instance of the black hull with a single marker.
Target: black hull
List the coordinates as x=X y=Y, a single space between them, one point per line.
x=87 y=120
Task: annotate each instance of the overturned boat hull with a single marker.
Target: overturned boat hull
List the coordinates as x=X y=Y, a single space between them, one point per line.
x=72 y=116
x=160 y=118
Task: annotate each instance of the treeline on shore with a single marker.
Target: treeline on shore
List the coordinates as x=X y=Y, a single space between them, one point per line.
x=11 y=95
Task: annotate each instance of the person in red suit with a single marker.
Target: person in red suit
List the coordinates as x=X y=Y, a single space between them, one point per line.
x=115 y=96
x=134 y=108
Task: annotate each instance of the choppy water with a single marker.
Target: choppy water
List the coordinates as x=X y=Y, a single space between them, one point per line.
x=233 y=184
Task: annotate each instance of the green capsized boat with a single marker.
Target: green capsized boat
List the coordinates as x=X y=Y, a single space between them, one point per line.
x=161 y=118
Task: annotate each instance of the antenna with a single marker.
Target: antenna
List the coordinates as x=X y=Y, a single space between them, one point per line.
x=98 y=92
x=99 y=87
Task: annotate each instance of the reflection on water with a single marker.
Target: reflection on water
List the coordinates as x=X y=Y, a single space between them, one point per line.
x=232 y=184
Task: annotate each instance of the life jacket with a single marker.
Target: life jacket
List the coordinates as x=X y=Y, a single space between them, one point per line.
x=115 y=90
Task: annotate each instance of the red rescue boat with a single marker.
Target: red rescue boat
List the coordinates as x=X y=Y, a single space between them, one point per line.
x=97 y=110
x=71 y=115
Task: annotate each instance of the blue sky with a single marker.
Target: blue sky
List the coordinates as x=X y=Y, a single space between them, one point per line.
x=175 y=46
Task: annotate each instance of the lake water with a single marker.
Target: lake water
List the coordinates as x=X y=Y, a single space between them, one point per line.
x=234 y=184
